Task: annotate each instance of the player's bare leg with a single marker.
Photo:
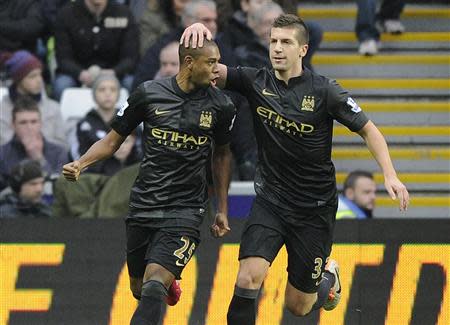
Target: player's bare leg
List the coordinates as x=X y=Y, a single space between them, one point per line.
x=298 y=302
x=252 y=272
x=154 y=293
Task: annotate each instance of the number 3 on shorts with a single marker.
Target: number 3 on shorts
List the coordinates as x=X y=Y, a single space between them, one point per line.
x=179 y=253
x=317 y=268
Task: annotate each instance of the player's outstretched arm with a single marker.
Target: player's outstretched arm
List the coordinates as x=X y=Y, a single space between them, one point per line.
x=100 y=150
x=221 y=170
x=379 y=149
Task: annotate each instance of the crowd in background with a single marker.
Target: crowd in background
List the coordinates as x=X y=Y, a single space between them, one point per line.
x=47 y=46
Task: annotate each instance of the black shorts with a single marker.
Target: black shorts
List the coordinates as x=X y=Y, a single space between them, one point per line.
x=307 y=236
x=169 y=243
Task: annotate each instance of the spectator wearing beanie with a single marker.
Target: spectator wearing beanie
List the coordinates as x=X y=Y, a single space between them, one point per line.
x=25 y=70
x=25 y=200
x=29 y=143
x=97 y=123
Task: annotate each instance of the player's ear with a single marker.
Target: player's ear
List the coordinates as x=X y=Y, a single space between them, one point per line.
x=303 y=50
x=189 y=61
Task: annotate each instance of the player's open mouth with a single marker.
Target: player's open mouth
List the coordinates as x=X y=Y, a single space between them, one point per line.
x=214 y=81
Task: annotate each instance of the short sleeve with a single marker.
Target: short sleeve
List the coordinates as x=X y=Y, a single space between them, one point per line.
x=132 y=113
x=222 y=132
x=343 y=108
x=239 y=78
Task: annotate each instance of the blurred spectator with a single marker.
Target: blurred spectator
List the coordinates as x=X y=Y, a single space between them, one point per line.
x=25 y=70
x=359 y=194
x=21 y=24
x=28 y=142
x=369 y=24
x=25 y=200
x=169 y=61
x=94 y=36
x=238 y=32
x=203 y=11
x=95 y=196
x=96 y=124
x=255 y=53
x=228 y=7
x=156 y=18
x=50 y=9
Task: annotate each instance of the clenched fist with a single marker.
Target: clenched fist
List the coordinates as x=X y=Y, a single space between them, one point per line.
x=71 y=171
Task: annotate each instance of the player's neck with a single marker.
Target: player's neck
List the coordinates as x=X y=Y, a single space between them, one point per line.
x=295 y=71
x=184 y=81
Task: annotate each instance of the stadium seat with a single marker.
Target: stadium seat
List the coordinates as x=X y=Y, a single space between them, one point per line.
x=3 y=92
x=76 y=102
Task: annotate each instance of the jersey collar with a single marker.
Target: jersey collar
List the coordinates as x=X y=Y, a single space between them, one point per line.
x=194 y=94
x=306 y=74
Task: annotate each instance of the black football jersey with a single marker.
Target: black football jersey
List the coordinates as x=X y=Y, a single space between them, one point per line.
x=294 y=127
x=179 y=133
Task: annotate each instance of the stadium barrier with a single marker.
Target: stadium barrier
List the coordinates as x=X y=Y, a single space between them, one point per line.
x=72 y=272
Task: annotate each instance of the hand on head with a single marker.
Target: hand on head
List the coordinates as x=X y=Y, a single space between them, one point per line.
x=194 y=35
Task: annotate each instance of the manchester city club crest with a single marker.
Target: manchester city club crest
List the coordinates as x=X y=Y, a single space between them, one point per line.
x=308 y=103
x=206 y=119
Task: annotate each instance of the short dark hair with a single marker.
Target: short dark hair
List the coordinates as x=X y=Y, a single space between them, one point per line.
x=353 y=177
x=292 y=21
x=24 y=104
x=195 y=53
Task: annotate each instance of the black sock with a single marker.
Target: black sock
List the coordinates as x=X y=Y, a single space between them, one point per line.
x=242 y=307
x=150 y=308
x=324 y=289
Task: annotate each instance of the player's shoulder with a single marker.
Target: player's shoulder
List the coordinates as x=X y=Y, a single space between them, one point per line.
x=319 y=79
x=251 y=71
x=321 y=82
x=219 y=98
x=151 y=88
x=150 y=85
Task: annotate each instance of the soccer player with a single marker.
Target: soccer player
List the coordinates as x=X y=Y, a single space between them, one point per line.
x=296 y=201
x=184 y=118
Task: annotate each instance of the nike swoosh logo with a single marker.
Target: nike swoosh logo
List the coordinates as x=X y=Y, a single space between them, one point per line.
x=158 y=112
x=268 y=93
